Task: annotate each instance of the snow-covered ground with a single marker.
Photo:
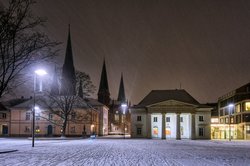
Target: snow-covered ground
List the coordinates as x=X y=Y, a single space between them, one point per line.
x=124 y=152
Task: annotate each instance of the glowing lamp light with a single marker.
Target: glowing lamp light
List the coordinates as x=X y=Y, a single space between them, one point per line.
x=124 y=105
x=230 y=105
x=40 y=72
x=37 y=108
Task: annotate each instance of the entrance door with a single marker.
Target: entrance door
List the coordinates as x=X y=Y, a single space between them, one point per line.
x=5 y=129
x=49 y=130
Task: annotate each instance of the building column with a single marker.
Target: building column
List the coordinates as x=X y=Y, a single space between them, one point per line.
x=149 y=126
x=193 y=135
x=163 y=128
x=178 y=126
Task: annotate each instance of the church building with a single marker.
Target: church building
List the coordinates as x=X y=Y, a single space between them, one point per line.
x=119 y=117
x=170 y=114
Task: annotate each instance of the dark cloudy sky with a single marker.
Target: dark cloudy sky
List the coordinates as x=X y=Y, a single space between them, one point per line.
x=157 y=44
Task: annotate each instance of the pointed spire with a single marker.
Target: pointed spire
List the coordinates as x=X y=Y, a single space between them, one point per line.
x=80 y=90
x=121 y=94
x=68 y=71
x=103 y=92
x=55 y=85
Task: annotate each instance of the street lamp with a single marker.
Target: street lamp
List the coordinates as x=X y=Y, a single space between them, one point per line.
x=39 y=72
x=230 y=109
x=124 y=107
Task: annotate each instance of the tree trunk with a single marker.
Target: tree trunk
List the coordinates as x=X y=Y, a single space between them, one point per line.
x=64 y=127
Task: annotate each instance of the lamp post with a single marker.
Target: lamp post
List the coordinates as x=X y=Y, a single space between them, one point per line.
x=229 y=123
x=124 y=107
x=39 y=72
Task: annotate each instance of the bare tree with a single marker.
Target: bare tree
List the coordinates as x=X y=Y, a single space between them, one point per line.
x=21 y=43
x=66 y=106
x=87 y=85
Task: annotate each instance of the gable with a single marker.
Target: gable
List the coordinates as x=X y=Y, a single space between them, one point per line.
x=171 y=103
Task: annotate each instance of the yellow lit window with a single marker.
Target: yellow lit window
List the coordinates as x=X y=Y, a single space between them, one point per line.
x=237 y=107
x=215 y=120
x=247 y=106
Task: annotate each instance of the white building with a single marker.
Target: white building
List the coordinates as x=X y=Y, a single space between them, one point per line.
x=170 y=114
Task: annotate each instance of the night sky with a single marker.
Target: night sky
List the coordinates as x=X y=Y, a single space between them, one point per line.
x=203 y=45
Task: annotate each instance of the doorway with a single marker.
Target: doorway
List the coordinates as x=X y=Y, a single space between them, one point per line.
x=49 y=130
x=5 y=129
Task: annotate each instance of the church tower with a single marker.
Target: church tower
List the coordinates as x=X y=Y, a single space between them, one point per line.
x=103 y=92
x=121 y=94
x=68 y=71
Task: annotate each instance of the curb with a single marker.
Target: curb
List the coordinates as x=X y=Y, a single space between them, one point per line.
x=8 y=151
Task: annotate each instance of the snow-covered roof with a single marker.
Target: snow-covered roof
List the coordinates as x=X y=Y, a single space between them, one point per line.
x=156 y=96
x=46 y=102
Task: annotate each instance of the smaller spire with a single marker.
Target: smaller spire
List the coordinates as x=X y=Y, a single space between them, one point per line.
x=80 y=90
x=103 y=92
x=121 y=94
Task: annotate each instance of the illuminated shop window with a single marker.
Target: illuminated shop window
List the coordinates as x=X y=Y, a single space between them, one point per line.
x=155 y=131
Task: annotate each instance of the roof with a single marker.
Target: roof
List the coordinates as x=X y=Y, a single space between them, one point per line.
x=48 y=102
x=2 y=107
x=156 y=96
x=13 y=102
x=93 y=102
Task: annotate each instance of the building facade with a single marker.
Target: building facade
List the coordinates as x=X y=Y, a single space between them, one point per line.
x=170 y=114
x=4 y=120
x=234 y=114
x=84 y=120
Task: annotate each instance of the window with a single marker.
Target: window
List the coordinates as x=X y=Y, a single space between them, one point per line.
x=116 y=117
x=247 y=106
x=238 y=119
x=167 y=119
x=226 y=120
x=73 y=115
x=214 y=120
x=155 y=119
x=138 y=131
x=138 y=118
x=27 y=129
x=237 y=108
x=27 y=117
x=73 y=129
x=38 y=116
x=201 y=131
x=246 y=118
x=2 y=115
x=181 y=119
x=231 y=119
x=221 y=112
x=201 y=118
x=221 y=120
x=50 y=116
x=248 y=129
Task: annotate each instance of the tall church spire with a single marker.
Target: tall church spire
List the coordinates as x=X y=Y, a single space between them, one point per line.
x=68 y=71
x=103 y=92
x=54 y=86
x=121 y=94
